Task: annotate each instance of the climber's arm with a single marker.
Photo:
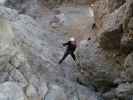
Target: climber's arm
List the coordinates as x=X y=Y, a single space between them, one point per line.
x=67 y=43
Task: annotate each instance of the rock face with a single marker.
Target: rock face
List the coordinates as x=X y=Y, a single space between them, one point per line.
x=112 y=24
x=29 y=56
x=29 y=7
x=77 y=92
x=77 y=2
x=95 y=68
x=11 y=91
x=56 y=93
x=107 y=63
x=112 y=29
x=113 y=4
x=2 y=1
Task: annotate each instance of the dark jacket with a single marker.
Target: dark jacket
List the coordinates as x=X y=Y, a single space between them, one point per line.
x=71 y=46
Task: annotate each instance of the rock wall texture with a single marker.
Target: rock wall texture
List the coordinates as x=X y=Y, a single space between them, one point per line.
x=106 y=63
x=28 y=62
x=113 y=19
x=29 y=55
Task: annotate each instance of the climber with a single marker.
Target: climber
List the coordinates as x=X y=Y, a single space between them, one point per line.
x=71 y=47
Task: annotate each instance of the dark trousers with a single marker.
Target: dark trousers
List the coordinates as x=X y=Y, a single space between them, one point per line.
x=66 y=54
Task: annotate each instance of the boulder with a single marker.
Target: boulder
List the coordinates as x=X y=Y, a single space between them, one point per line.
x=29 y=7
x=7 y=13
x=124 y=89
x=110 y=95
x=12 y=57
x=130 y=8
x=55 y=93
x=128 y=65
x=17 y=76
x=18 y=59
x=16 y=4
x=6 y=45
x=126 y=44
x=83 y=93
x=100 y=10
x=95 y=65
x=128 y=61
x=130 y=24
x=31 y=92
x=112 y=19
x=2 y=1
x=127 y=38
x=43 y=89
x=112 y=32
x=83 y=2
x=70 y=91
x=3 y=76
x=11 y=91
x=113 y=4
